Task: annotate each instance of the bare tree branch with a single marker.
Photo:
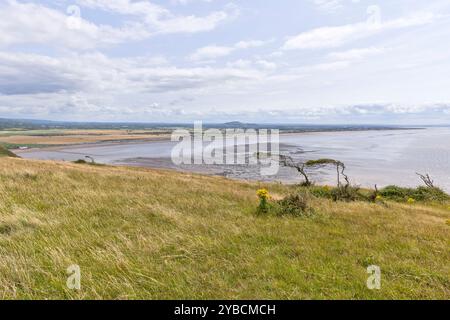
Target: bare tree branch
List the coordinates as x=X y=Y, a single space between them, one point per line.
x=426 y=179
x=287 y=161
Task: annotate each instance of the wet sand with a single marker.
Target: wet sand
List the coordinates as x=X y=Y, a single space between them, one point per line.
x=372 y=157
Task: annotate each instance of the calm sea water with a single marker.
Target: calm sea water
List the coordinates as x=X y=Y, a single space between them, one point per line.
x=372 y=157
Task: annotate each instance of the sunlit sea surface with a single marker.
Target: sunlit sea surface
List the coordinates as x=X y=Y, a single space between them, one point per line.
x=372 y=157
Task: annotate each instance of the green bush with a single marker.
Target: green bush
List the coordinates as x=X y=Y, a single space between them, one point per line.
x=294 y=205
x=419 y=194
x=348 y=193
x=321 y=191
x=430 y=194
x=393 y=193
x=81 y=161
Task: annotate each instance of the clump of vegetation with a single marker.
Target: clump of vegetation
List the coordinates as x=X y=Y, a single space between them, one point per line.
x=390 y=193
x=80 y=161
x=91 y=162
x=294 y=205
x=344 y=191
x=399 y=194
x=4 y=152
x=347 y=193
x=427 y=193
x=321 y=191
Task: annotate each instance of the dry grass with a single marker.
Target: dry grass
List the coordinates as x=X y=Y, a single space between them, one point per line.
x=139 y=233
x=67 y=137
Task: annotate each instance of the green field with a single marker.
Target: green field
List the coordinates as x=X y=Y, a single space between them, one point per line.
x=138 y=233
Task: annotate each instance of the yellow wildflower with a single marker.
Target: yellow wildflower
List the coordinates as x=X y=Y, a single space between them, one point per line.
x=411 y=200
x=378 y=198
x=263 y=193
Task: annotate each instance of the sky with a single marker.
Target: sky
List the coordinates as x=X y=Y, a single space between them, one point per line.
x=284 y=61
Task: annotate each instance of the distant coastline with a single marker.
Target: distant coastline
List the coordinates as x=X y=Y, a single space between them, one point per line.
x=27 y=124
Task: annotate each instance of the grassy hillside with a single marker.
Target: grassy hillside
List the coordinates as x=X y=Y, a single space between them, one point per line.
x=6 y=153
x=140 y=233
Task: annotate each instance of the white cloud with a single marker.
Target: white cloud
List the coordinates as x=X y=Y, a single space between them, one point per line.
x=266 y=64
x=328 y=5
x=185 y=2
x=161 y=20
x=330 y=37
x=69 y=77
x=356 y=54
x=22 y=74
x=251 y=44
x=94 y=84
x=211 y=52
x=29 y=23
x=214 y=51
x=331 y=66
x=241 y=64
x=332 y=5
x=248 y=64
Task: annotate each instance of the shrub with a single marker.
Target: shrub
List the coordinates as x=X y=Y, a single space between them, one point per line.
x=81 y=161
x=347 y=193
x=343 y=193
x=321 y=192
x=418 y=194
x=294 y=205
x=429 y=194
x=394 y=193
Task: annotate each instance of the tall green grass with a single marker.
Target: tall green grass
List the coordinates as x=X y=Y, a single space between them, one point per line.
x=154 y=234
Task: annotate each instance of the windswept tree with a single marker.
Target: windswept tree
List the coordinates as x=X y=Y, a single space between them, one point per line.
x=303 y=168
x=339 y=165
x=300 y=166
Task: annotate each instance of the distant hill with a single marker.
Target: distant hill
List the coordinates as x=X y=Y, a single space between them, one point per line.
x=28 y=124
x=238 y=124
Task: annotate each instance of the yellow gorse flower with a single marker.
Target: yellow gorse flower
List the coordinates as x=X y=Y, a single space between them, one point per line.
x=411 y=201
x=263 y=193
x=378 y=198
